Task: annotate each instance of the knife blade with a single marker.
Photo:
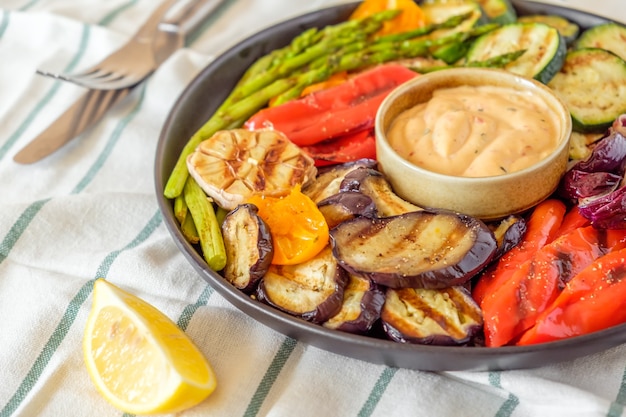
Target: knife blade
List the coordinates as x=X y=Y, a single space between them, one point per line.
x=91 y=106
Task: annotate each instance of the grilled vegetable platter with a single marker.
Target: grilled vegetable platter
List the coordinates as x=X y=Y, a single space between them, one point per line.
x=275 y=198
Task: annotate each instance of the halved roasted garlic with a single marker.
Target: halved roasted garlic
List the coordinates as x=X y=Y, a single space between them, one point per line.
x=235 y=164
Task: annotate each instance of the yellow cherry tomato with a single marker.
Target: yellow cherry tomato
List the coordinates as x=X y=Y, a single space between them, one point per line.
x=298 y=228
x=412 y=16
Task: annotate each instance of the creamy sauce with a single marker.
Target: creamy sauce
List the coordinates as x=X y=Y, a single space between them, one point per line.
x=475 y=131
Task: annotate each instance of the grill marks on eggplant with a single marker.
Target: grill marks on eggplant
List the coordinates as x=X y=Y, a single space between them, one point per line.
x=329 y=179
x=312 y=290
x=422 y=249
x=373 y=184
x=443 y=317
x=345 y=206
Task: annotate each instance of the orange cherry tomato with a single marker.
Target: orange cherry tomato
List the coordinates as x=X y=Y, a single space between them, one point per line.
x=412 y=16
x=298 y=228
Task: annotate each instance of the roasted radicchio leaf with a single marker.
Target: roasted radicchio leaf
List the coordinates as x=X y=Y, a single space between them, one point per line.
x=596 y=184
x=606 y=212
x=581 y=184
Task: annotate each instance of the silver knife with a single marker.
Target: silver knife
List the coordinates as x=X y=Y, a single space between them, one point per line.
x=183 y=19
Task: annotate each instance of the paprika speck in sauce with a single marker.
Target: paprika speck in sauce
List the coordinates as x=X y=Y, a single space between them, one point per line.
x=475 y=131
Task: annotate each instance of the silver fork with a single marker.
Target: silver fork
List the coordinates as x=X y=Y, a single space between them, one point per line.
x=125 y=67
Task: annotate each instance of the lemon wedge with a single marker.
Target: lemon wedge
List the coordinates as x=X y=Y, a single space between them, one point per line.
x=139 y=360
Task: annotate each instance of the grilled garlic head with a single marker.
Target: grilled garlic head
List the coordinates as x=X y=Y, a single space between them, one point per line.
x=235 y=164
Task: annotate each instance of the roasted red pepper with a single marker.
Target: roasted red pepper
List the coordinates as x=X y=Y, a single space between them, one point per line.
x=543 y=224
x=592 y=300
x=572 y=220
x=342 y=149
x=515 y=306
x=336 y=111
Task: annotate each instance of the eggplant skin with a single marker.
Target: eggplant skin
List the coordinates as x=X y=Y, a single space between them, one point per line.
x=421 y=249
x=312 y=290
x=508 y=233
x=329 y=179
x=362 y=302
x=249 y=248
x=346 y=206
x=446 y=316
x=373 y=184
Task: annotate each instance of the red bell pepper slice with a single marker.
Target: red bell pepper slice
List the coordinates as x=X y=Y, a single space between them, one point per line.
x=543 y=224
x=572 y=220
x=593 y=300
x=346 y=108
x=515 y=306
x=342 y=149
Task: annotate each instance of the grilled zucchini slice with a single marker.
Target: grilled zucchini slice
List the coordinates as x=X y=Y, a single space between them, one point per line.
x=592 y=83
x=568 y=29
x=438 y=11
x=609 y=36
x=545 y=49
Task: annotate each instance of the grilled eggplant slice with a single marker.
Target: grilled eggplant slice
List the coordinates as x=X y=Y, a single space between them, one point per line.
x=249 y=248
x=421 y=249
x=312 y=290
x=329 y=179
x=346 y=206
x=373 y=184
x=438 y=317
x=362 y=302
x=234 y=164
x=508 y=233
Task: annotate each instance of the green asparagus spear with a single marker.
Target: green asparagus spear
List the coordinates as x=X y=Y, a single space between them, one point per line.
x=180 y=209
x=206 y=223
x=449 y=23
x=323 y=47
x=499 y=61
x=188 y=228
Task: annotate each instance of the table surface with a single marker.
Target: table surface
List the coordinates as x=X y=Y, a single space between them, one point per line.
x=89 y=211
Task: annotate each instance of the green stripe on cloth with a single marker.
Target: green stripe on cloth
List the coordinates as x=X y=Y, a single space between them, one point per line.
x=213 y=17
x=84 y=40
x=510 y=404
x=4 y=23
x=377 y=392
x=271 y=374
x=63 y=328
x=617 y=407
x=190 y=310
x=18 y=228
x=113 y=14
x=28 y=5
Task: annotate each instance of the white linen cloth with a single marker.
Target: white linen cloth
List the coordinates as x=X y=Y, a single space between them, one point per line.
x=89 y=211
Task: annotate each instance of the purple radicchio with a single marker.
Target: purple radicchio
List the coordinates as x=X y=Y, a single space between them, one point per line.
x=596 y=184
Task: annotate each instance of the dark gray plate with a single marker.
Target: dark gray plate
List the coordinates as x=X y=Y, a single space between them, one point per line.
x=195 y=106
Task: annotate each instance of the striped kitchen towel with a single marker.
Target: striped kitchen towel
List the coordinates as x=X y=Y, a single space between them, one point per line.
x=89 y=211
